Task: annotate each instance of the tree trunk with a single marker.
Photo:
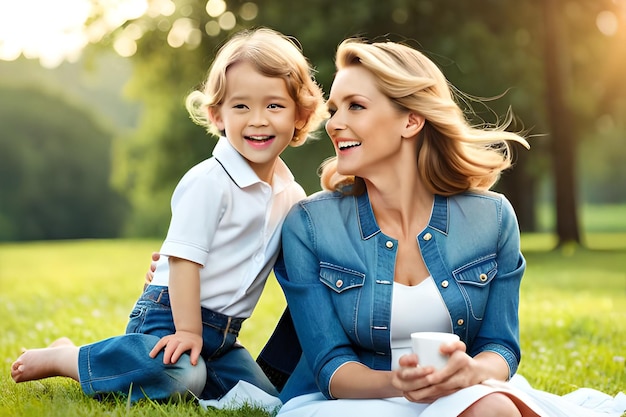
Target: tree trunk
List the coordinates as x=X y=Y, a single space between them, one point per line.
x=563 y=141
x=519 y=186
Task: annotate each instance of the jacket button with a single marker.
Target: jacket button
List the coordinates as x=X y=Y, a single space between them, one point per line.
x=460 y=322
x=483 y=277
x=444 y=284
x=427 y=236
x=389 y=244
x=339 y=283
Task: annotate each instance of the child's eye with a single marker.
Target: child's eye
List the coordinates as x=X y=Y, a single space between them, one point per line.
x=240 y=106
x=275 y=106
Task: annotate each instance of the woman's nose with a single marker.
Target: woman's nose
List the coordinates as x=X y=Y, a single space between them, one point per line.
x=334 y=123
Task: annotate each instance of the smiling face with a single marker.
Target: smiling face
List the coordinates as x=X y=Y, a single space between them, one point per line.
x=365 y=127
x=258 y=115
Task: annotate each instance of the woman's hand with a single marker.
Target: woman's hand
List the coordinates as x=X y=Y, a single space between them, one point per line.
x=153 y=265
x=425 y=384
x=177 y=344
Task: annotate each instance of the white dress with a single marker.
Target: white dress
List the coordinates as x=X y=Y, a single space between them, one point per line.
x=583 y=402
x=425 y=297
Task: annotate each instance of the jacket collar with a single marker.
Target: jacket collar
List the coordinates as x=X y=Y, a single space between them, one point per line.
x=369 y=227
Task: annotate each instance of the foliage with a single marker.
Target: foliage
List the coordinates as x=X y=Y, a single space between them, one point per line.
x=602 y=162
x=96 y=81
x=54 y=170
x=490 y=50
x=573 y=312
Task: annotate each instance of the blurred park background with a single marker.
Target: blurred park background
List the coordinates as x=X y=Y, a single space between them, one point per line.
x=94 y=134
x=94 y=137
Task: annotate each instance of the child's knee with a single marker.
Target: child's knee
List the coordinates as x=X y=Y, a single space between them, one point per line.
x=186 y=377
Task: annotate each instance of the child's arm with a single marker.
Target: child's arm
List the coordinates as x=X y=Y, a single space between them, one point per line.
x=184 y=288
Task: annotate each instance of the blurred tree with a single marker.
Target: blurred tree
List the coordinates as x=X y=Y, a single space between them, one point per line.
x=585 y=95
x=490 y=49
x=564 y=141
x=54 y=170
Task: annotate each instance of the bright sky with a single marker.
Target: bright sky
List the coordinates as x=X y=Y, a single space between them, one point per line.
x=53 y=30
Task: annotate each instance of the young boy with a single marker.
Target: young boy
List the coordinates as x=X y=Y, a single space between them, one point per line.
x=222 y=241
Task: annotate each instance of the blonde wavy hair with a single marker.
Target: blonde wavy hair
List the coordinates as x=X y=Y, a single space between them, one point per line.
x=453 y=156
x=273 y=55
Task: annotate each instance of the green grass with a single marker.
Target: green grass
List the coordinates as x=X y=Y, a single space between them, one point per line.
x=573 y=314
x=573 y=317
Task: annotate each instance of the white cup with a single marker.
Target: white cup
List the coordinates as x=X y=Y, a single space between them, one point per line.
x=426 y=345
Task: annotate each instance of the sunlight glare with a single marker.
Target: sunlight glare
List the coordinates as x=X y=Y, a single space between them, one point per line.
x=56 y=31
x=212 y=28
x=161 y=8
x=249 y=11
x=182 y=32
x=607 y=23
x=215 y=8
x=227 y=21
x=125 y=47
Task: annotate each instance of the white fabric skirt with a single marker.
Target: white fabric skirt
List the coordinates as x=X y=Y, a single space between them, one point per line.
x=580 y=403
x=584 y=402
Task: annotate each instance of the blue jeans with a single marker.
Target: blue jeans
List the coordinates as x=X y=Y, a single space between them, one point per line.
x=122 y=365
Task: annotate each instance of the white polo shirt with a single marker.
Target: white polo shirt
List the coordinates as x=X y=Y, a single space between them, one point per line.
x=228 y=220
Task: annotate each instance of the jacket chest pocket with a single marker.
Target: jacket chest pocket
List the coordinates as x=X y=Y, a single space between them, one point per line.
x=474 y=279
x=345 y=288
x=340 y=279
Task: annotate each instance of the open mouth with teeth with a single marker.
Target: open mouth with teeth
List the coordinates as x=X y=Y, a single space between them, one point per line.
x=260 y=139
x=348 y=145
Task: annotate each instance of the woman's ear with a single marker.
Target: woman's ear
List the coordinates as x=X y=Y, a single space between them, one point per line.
x=215 y=117
x=414 y=125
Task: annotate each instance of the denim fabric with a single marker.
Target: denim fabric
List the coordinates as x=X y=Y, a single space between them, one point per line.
x=337 y=272
x=121 y=364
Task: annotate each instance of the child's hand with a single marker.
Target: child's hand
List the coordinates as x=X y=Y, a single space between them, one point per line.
x=153 y=265
x=177 y=344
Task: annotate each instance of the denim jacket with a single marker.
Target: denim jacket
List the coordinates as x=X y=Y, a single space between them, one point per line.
x=337 y=273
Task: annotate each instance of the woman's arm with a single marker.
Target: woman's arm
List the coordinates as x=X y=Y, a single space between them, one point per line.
x=150 y=272
x=324 y=341
x=355 y=380
x=499 y=330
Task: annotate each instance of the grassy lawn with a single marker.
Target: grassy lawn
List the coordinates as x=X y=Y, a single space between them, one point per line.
x=573 y=317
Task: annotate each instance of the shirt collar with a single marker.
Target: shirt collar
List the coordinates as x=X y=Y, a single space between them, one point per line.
x=240 y=171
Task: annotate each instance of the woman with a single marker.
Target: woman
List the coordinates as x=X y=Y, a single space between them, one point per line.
x=407 y=238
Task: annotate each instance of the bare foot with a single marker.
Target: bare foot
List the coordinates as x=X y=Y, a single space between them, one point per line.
x=57 y=360
x=62 y=341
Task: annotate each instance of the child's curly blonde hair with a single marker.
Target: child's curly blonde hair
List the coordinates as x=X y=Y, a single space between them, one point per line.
x=273 y=55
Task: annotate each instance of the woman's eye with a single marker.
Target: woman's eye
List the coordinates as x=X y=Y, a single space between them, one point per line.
x=356 y=106
x=332 y=112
